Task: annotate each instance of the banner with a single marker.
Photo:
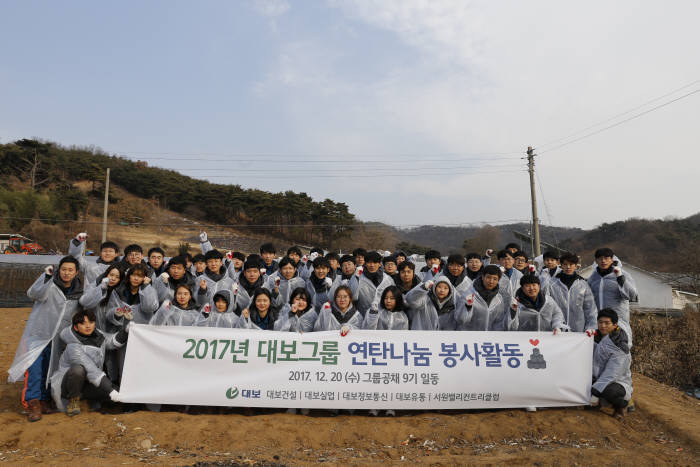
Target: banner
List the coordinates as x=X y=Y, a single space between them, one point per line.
x=363 y=370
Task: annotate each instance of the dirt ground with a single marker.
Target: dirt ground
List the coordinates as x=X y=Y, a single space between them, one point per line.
x=664 y=430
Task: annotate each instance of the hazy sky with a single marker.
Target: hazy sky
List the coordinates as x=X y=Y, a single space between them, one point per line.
x=419 y=110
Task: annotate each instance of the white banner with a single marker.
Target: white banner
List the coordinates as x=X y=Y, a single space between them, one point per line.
x=363 y=370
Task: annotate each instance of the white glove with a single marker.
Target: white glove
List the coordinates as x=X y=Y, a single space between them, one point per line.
x=327 y=306
x=617 y=271
x=48 y=270
x=436 y=268
x=594 y=401
x=305 y=259
x=313 y=256
x=128 y=313
x=358 y=271
x=556 y=331
x=229 y=255
x=531 y=268
x=429 y=285
x=114 y=395
x=207 y=309
x=277 y=281
x=81 y=237
x=203 y=237
x=489 y=252
x=344 y=330
x=164 y=277
x=119 y=312
x=344 y=282
x=166 y=303
x=235 y=288
x=387 y=253
x=263 y=271
x=590 y=332
x=104 y=283
x=470 y=300
x=503 y=270
x=328 y=281
x=514 y=304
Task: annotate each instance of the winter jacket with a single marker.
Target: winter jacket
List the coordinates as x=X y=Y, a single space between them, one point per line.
x=576 y=302
x=365 y=293
x=91 y=271
x=489 y=312
x=609 y=291
x=215 y=283
x=426 y=313
x=612 y=361
x=172 y=314
x=542 y=314
x=293 y=322
x=384 y=319
x=331 y=318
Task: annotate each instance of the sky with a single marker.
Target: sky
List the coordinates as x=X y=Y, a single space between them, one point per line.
x=410 y=111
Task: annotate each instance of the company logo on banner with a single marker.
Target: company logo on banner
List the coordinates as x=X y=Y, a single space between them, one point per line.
x=365 y=369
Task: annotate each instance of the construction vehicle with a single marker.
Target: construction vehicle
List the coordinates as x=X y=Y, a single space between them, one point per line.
x=16 y=244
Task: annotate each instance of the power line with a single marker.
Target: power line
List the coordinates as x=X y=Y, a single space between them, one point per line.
x=615 y=117
x=326 y=161
x=621 y=122
x=323 y=155
x=374 y=175
x=335 y=170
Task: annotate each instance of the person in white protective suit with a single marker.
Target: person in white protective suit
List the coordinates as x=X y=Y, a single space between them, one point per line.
x=347 y=269
x=249 y=280
x=510 y=274
x=406 y=278
x=109 y=255
x=176 y=274
x=432 y=306
x=260 y=314
x=456 y=273
x=340 y=314
x=612 y=376
x=485 y=304
x=531 y=310
x=574 y=296
x=184 y=311
x=391 y=314
x=222 y=314
x=320 y=284
x=298 y=315
x=433 y=266
x=550 y=269
x=283 y=282
x=55 y=299
x=613 y=288
x=215 y=278
x=79 y=373
x=368 y=283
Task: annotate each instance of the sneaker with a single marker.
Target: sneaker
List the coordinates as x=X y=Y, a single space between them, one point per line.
x=530 y=409
x=46 y=407
x=373 y=412
x=34 y=414
x=390 y=413
x=304 y=411
x=292 y=411
x=73 y=407
x=619 y=414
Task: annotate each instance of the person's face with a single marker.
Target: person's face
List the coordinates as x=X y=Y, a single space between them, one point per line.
x=220 y=305
x=551 y=263
x=300 y=302
x=455 y=268
x=237 y=263
x=604 y=262
x=177 y=271
x=113 y=277
x=568 y=267
x=400 y=259
x=490 y=281
x=359 y=260
x=474 y=264
x=321 y=271
x=294 y=257
x=334 y=264
x=372 y=267
x=531 y=290
x=389 y=301
x=136 y=279
x=287 y=271
x=155 y=260
x=85 y=328
x=520 y=262
x=262 y=304
x=182 y=296
x=108 y=255
x=252 y=274
x=390 y=268
x=188 y=262
x=200 y=266
x=507 y=262
x=605 y=325
x=442 y=290
x=268 y=257
x=67 y=272
x=214 y=264
x=342 y=299
x=348 y=268
x=406 y=275
x=432 y=262
x=134 y=257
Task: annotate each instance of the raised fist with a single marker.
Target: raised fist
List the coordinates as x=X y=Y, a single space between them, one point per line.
x=617 y=271
x=514 y=304
x=328 y=281
x=229 y=255
x=277 y=281
x=128 y=313
x=435 y=269
x=313 y=256
x=203 y=237
x=104 y=283
x=344 y=330
x=206 y=309
x=164 y=277
x=203 y=284
x=235 y=288
x=327 y=306
x=48 y=270
x=429 y=285
x=81 y=237
x=531 y=268
x=359 y=270
x=470 y=300
x=489 y=252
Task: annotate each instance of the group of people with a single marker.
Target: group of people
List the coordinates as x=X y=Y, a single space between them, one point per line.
x=75 y=339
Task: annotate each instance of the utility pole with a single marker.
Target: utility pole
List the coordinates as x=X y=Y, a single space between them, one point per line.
x=104 y=218
x=533 y=198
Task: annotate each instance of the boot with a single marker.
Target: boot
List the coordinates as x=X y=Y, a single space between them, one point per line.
x=46 y=407
x=73 y=407
x=619 y=413
x=34 y=414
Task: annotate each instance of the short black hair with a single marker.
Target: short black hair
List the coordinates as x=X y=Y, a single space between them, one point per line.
x=373 y=257
x=303 y=292
x=156 y=249
x=549 y=254
x=253 y=262
x=238 y=255
x=138 y=267
x=456 y=259
x=504 y=253
x=285 y=261
x=520 y=254
x=82 y=313
x=398 y=296
x=294 y=249
x=331 y=255
x=178 y=260
x=604 y=252
x=359 y=252
x=109 y=244
x=321 y=261
x=569 y=258
x=389 y=259
x=432 y=254
x=608 y=313
x=512 y=245
x=213 y=254
x=222 y=296
x=198 y=258
x=131 y=248
x=400 y=253
x=316 y=249
x=493 y=270
x=473 y=256
x=529 y=279
x=407 y=264
x=347 y=259
x=69 y=259
x=267 y=248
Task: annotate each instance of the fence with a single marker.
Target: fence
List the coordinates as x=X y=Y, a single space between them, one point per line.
x=15 y=280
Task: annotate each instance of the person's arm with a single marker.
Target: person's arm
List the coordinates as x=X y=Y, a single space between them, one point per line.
x=308 y=320
x=628 y=289
x=355 y=287
x=415 y=298
x=590 y=310
x=615 y=368
x=371 y=319
x=75 y=355
x=92 y=296
x=39 y=290
x=76 y=249
x=148 y=298
x=464 y=309
x=204 y=243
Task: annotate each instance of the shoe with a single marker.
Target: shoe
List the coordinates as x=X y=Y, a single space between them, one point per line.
x=304 y=411
x=34 y=414
x=619 y=413
x=73 y=407
x=630 y=406
x=46 y=407
x=373 y=412
x=292 y=411
x=530 y=409
x=390 y=413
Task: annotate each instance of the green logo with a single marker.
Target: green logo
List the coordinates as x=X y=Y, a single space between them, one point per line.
x=232 y=393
